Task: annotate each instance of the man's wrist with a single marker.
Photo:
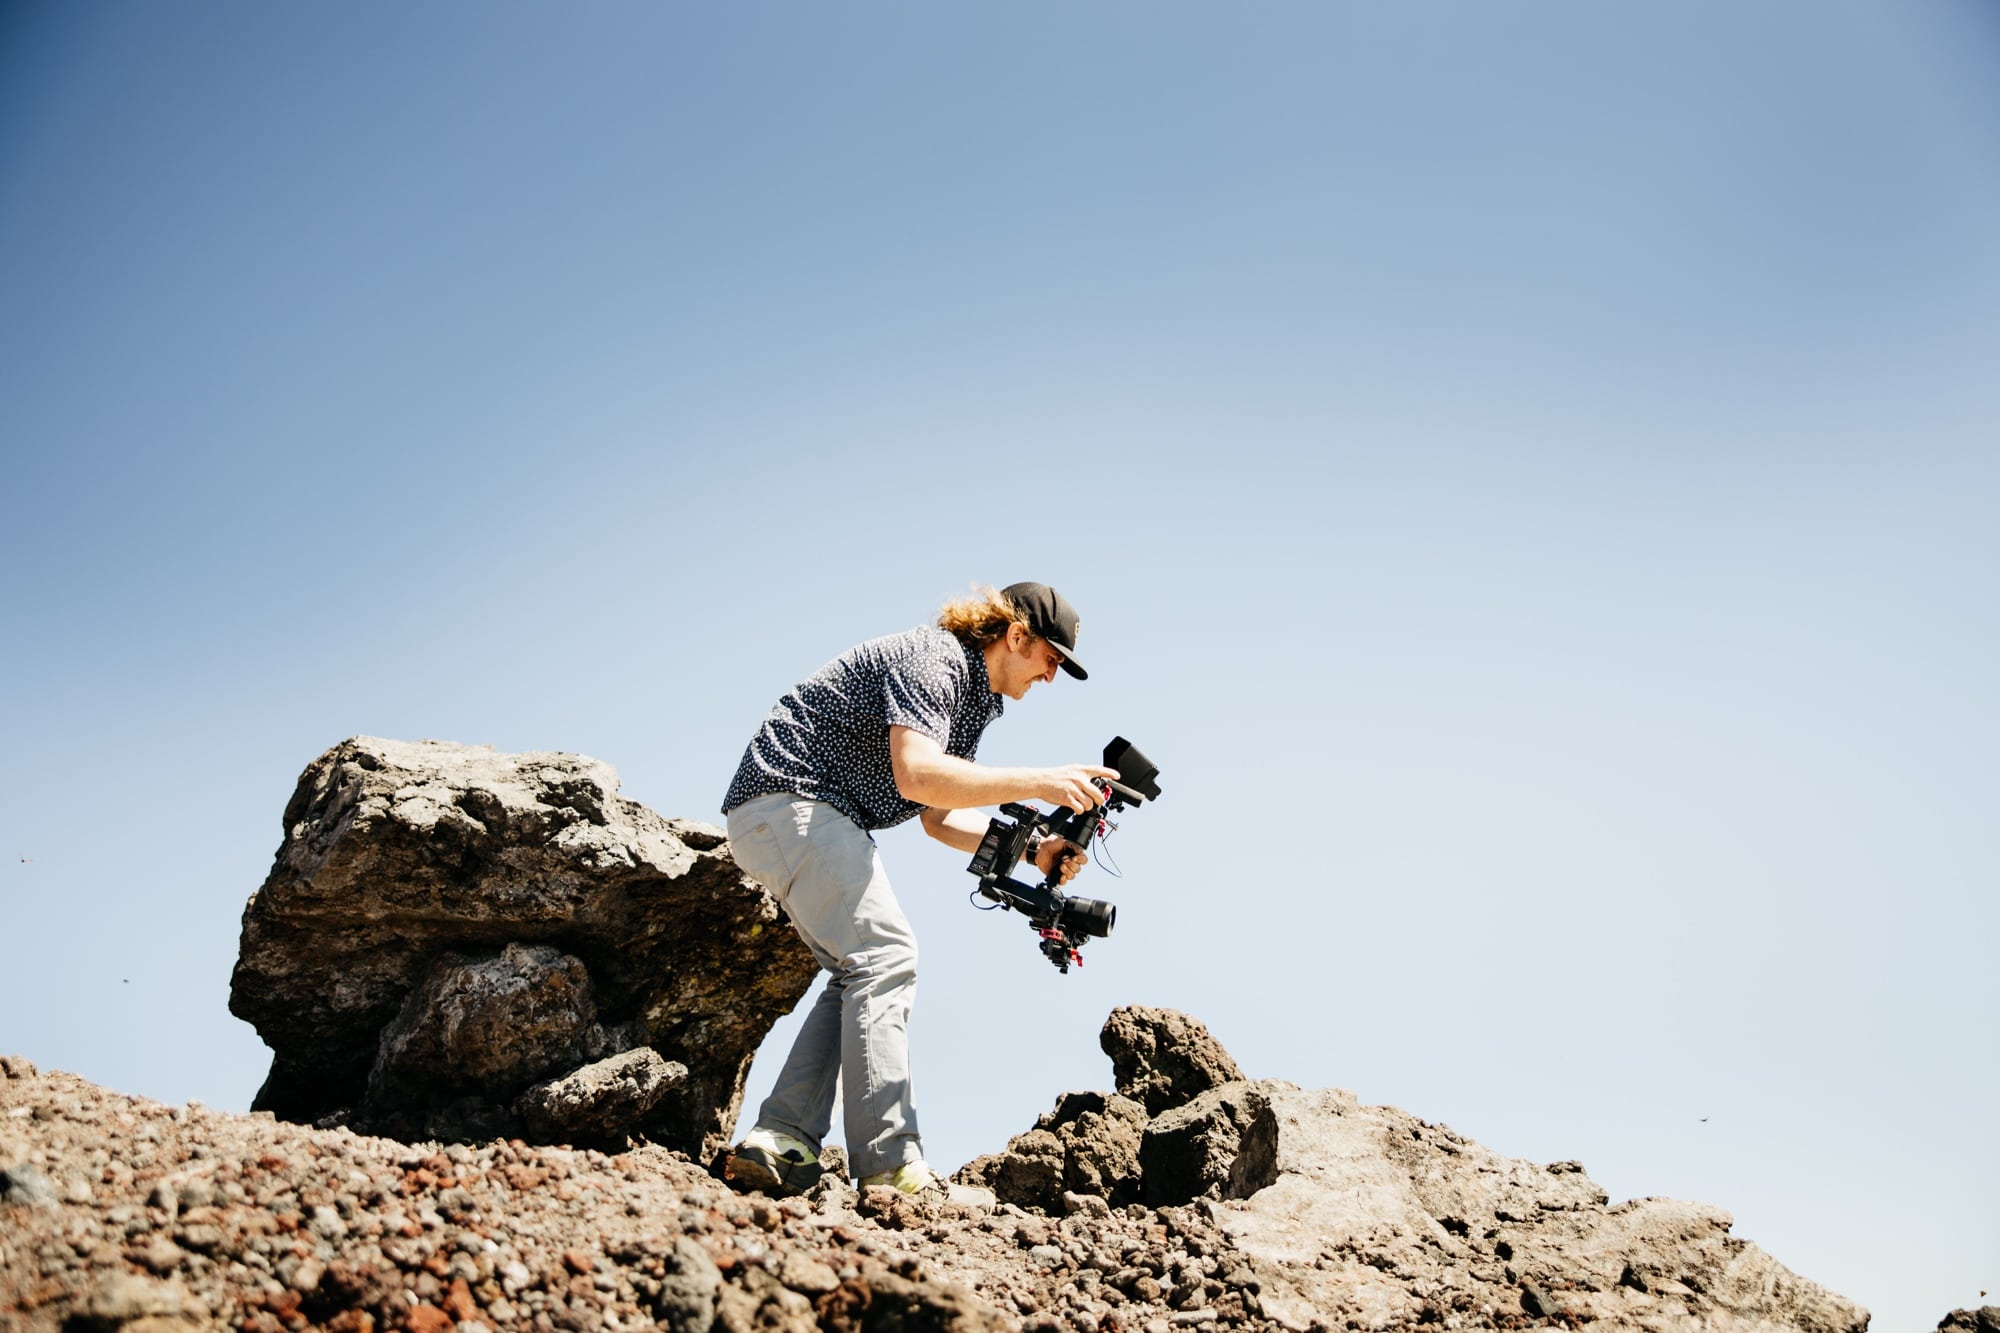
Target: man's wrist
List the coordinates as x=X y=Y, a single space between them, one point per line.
x=1036 y=841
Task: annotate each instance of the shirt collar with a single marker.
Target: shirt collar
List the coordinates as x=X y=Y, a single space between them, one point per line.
x=975 y=658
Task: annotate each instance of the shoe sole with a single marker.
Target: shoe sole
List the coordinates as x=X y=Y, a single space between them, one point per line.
x=756 y=1169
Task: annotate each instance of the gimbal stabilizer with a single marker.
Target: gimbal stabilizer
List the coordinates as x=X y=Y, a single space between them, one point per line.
x=1062 y=922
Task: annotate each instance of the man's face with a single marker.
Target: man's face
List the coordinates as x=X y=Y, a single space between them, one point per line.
x=1027 y=658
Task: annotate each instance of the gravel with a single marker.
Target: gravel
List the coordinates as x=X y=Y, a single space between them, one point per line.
x=120 y=1212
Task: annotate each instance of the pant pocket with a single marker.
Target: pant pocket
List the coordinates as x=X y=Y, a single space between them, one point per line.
x=759 y=853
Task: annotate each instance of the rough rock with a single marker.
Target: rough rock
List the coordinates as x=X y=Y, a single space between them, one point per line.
x=484 y=1026
x=597 y=1101
x=126 y=1300
x=1163 y=1059
x=176 y=1218
x=445 y=926
x=1188 y=1152
x=1986 y=1319
x=1089 y=1144
x=28 y=1186
x=1367 y=1214
x=1329 y=1214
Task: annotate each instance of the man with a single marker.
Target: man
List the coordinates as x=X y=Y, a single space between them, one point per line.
x=887 y=730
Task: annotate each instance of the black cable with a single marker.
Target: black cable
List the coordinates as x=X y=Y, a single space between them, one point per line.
x=1103 y=850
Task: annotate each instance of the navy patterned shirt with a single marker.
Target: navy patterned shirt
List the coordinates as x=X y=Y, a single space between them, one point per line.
x=827 y=738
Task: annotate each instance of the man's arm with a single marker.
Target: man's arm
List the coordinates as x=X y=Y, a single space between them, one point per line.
x=927 y=775
x=955 y=828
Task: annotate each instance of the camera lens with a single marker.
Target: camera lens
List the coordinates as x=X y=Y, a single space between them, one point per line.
x=1089 y=916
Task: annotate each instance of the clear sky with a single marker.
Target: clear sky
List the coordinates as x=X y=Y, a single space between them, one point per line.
x=1528 y=473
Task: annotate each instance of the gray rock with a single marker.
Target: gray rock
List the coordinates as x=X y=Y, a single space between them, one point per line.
x=397 y=854
x=486 y=1025
x=1162 y=1058
x=600 y=1101
x=1986 y=1319
x=686 y=1299
x=27 y=1184
x=122 y=1299
x=1367 y=1216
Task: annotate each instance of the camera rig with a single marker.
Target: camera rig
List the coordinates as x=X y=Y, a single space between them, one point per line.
x=1062 y=922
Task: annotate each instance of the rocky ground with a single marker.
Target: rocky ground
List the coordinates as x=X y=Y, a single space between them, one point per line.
x=122 y=1212
x=1234 y=1205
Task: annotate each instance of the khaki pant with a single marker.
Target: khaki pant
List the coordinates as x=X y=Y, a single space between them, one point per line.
x=828 y=876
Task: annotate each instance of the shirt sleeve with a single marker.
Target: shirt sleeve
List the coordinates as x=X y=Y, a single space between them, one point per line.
x=920 y=691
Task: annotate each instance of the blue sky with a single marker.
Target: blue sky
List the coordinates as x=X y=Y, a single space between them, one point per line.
x=1528 y=474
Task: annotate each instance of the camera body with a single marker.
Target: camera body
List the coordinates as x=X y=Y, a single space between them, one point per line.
x=1062 y=922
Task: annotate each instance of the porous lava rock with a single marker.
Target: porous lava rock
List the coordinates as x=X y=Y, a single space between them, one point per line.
x=182 y=1219
x=1329 y=1214
x=1162 y=1058
x=1089 y=1144
x=1986 y=1319
x=596 y=1102
x=446 y=926
x=160 y=1219
x=1190 y=1151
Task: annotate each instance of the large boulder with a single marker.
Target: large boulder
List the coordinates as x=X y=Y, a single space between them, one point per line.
x=446 y=927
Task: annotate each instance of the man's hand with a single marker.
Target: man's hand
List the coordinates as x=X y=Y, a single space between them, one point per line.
x=1073 y=785
x=1063 y=852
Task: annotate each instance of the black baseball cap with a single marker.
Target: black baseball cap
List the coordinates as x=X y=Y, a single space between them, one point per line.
x=1049 y=615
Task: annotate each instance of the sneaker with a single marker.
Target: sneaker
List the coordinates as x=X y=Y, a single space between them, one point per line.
x=917 y=1180
x=773 y=1163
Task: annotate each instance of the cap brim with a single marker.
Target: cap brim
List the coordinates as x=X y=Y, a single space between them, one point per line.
x=1069 y=664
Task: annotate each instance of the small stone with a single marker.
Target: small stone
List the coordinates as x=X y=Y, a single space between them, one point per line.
x=27 y=1184
x=304 y=1275
x=161 y=1255
x=458 y=1302
x=201 y=1237
x=803 y=1273
x=123 y=1298
x=427 y=1318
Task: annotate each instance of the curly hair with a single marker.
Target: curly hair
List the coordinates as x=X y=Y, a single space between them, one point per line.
x=981 y=618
